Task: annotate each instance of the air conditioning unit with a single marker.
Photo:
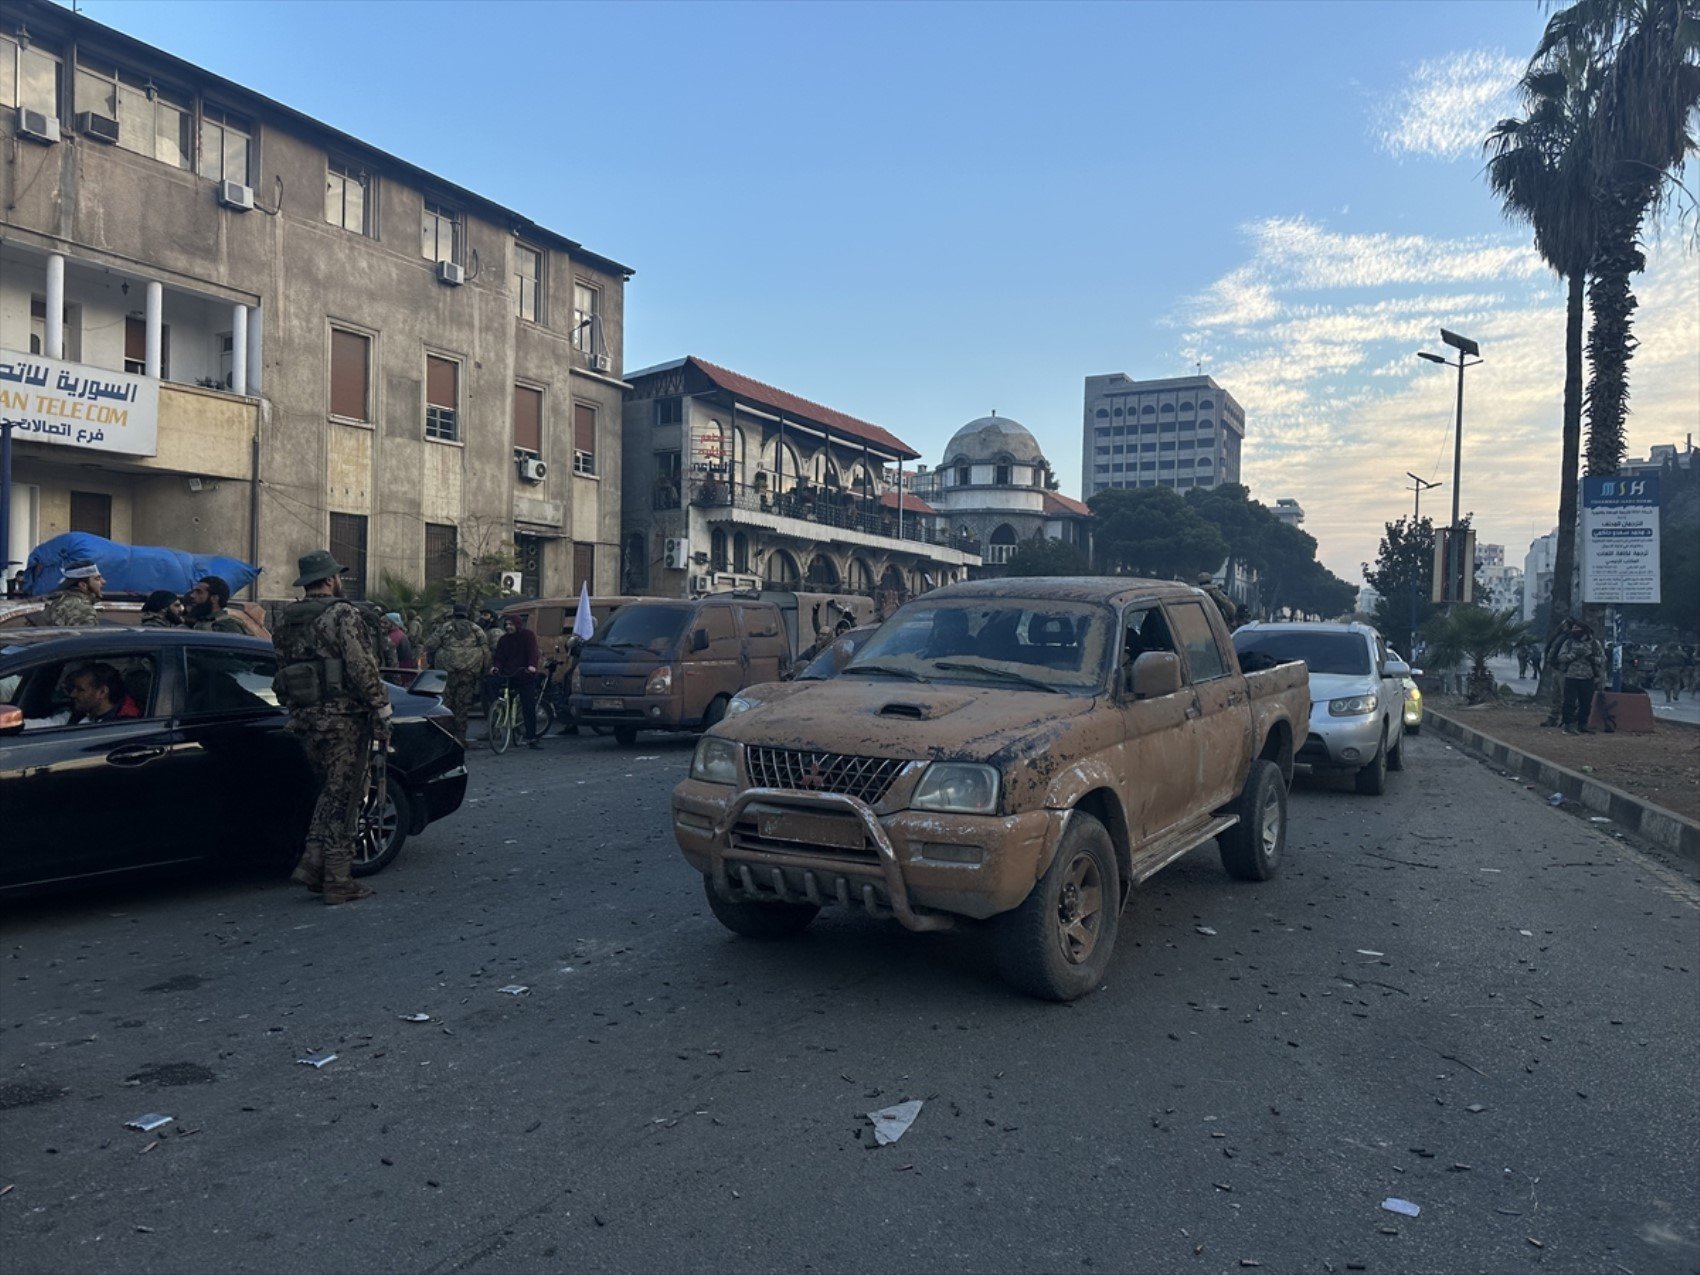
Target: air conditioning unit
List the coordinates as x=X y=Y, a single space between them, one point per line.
x=38 y=126
x=702 y=584
x=676 y=553
x=451 y=273
x=99 y=128
x=512 y=581
x=601 y=362
x=236 y=195
x=532 y=469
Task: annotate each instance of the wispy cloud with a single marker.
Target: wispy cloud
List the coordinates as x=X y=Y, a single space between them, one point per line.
x=1447 y=106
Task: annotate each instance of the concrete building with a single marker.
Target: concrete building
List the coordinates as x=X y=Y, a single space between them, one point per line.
x=996 y=487
x=732 y=483
x=314 y=342
x=1288 y=511
x=1538 y=565
x=1183 y=432
x=1490 y=555
x=1503 y=587
x=1659 y=457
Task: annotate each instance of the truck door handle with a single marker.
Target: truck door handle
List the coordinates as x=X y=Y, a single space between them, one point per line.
x=1193 y=711
x=135 y=754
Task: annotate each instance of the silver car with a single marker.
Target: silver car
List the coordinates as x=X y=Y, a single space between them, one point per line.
x=1357 y=695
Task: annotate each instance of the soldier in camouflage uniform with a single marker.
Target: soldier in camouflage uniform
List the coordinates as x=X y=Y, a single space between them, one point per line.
x=73 y=605
x=1580 y=661
x=462 y=650
x=337 y=704
x=1669 y=667
x=1227 y=606
x=207 y=602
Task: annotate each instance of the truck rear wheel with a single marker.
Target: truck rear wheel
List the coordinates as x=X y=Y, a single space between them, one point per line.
x=759 y=920
x=1058 y=943
x=1252 y=848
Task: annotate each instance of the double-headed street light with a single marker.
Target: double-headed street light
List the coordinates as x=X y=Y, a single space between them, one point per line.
x=1469 y=355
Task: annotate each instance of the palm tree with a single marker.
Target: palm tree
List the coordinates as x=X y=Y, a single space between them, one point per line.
x=1542 y=170
x=1648 y=55
x=1476 y=634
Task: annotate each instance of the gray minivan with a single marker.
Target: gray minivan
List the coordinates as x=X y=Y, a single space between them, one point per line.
x=674 y=665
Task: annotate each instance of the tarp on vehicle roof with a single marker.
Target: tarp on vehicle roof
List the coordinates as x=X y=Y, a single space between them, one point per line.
x=130 y=568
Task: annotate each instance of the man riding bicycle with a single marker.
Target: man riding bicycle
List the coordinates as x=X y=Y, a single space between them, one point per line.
x=514 y=665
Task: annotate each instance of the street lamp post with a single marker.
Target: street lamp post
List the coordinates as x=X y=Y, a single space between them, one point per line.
x=1418 y=487
x=1455 y=540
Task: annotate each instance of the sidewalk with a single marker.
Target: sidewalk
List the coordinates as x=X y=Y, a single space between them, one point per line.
x=1504 y=669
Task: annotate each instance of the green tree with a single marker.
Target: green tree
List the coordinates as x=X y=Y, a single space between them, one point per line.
x=1648 y=57
x=1042 y=556
x=1284 y=557
x=1476 y=634
x=395 y=593
x=1151 y=531
x=1403 y=574
x=1543 y=172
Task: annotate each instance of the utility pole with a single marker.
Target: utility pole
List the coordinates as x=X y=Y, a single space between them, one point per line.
x=1418 y=487
x=1455 y=565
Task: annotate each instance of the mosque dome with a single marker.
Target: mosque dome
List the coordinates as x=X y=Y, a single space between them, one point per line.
x=994 y=438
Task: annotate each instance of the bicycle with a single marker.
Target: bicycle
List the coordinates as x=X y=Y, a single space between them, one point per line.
x=507 y=718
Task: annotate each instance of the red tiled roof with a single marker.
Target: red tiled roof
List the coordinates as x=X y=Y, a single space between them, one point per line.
x=911 y=504
x=781 y=401
x=1058 y=504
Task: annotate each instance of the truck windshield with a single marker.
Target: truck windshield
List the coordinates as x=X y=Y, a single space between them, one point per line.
x=1324 y=652
x=1063 y=646
x=652 y=626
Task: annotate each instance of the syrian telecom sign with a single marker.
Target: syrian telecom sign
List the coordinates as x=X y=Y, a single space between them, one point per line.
x=51 y=401
x=1620 y=540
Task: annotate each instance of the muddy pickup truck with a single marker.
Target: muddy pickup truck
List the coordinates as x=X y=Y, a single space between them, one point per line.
x=1018 y=752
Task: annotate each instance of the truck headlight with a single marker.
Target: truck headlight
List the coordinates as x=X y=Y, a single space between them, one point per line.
x=660 y=682
x=716 y=761
x=960 y=787
x=738 y=704
x=1352 y=706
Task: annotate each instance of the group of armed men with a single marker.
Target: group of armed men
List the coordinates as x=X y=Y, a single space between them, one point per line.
x=205 y=606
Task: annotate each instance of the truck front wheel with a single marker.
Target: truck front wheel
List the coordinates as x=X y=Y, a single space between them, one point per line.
x=1057 y=944
x=1252 y=848
x=759 y=920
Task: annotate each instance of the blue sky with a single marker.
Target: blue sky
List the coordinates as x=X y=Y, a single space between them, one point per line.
x=921 y=213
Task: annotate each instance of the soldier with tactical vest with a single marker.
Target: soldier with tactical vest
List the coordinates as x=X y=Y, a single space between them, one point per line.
x=72 y=605
x=462 y=650
x=328 y=680
x=1227 y=606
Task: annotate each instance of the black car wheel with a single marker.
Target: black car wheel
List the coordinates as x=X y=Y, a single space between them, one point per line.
x=383 y=832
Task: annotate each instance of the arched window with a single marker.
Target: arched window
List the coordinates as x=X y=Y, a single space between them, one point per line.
x=1118 y=411
x=861 y=577
x=1001 y=547
x=1103 y=413
x=781 y=569
x=1204 y=404
x=892 y=581
x=1168 y=409
x=717 y=550
x=823 y=572
x=1148 y=410
x=740 y=552
x=962 y=475
x=1186 y=406
x=1206 y=423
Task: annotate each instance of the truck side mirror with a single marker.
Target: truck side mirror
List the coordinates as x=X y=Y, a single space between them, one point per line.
x=1155 y=674
x=1396 y=668
x=699 y=639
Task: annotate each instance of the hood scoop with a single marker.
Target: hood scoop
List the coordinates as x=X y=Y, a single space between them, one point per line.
x=909 y=712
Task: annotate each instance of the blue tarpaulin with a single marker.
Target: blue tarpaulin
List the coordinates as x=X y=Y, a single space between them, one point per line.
x=130 y=568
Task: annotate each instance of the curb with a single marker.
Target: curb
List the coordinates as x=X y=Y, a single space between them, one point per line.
x=1664 y=828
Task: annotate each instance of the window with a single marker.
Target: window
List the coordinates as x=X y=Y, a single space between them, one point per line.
x=528 y=283
x=348 y=198
x=717 y=559
x=669 y=411
x=584 y=567
x=29 y=77
x=1001 y=476
x=1148 y=410
x=91 y=511
x=587 y=317
x=1103 y=414
x=1002 y=547
x=227 y=146
x=1198 y=641
x=442 y=399
x=669 y=476
x=584 y=438
x=348 y=546
x=740 y=552
x=962 y=475
x=151 y=122
x=44 y=691
x=226 y=681
x=528 y=420
x=439 y=233
x=442 y=553
x=351 y=375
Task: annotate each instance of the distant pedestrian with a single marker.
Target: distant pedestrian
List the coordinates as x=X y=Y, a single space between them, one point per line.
x=1535 y=661
x=1669 y=668
x=462 y=650
x=162 y=610
x=1521 y=651
x=514 y=664
x=72 y=605
x=1581 y=661
x=400 y=643
x=328 y=680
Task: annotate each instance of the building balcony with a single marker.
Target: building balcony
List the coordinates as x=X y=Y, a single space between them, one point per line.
x=832 y=515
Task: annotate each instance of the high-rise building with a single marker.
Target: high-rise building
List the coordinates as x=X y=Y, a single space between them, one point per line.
x=1490 y=555
x=1288 y=511
x=1182 y=432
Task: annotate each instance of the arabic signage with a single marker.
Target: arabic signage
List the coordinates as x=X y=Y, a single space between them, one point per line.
x=1620 y=540
x=46 y=400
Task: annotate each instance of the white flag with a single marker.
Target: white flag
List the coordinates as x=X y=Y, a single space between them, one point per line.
x=584 y=626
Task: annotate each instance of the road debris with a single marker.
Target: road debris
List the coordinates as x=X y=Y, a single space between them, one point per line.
x=1365 y=951
x=891 y=1123
x=148 y=1123
x=1557 y=799
x=1206 y=930
x=514 y=989
x=1475 y=1108
x=1404 y=1208
x=316 y=1061
x=414 y=1018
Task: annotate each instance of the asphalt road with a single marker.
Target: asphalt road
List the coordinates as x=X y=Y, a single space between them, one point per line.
x=1452 y=995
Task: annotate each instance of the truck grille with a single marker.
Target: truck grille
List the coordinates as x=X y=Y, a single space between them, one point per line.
x=865 y=778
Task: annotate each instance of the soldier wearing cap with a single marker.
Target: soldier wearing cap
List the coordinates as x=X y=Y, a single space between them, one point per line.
x=1227 y=606
x=328 y=680
x=73 y=604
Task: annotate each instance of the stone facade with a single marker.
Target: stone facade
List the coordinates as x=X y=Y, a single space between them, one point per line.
x=368 y=357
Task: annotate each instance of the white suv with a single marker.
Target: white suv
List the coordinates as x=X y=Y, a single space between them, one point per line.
x=1357 y=698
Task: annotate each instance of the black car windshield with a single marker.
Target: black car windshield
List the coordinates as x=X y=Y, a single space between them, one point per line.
x=1064 y=646
x=1324 y=652
x=651 y=626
